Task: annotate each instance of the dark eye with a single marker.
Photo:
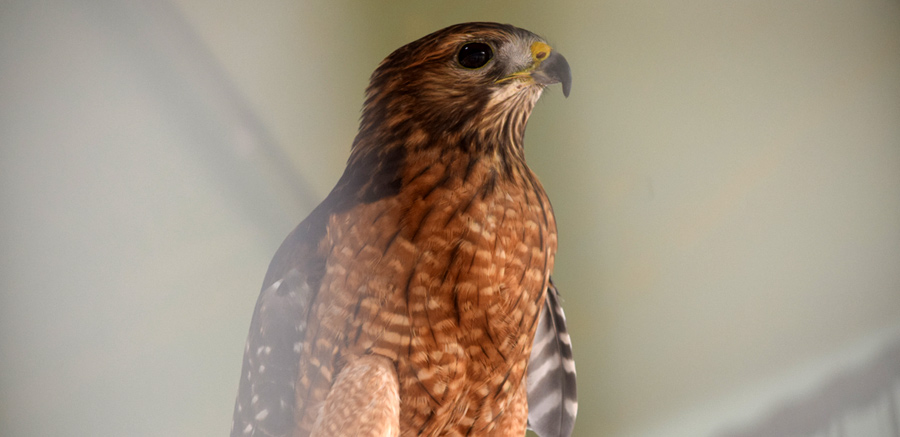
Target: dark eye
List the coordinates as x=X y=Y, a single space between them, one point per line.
x=474 y=55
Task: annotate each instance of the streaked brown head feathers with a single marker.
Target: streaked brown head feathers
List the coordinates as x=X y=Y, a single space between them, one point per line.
x=421 y=93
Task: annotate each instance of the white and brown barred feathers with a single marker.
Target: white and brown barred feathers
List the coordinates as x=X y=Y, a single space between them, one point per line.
x=416 y=297
x=552 y=396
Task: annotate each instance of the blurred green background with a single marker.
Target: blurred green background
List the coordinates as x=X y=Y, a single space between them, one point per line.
x=725 y=175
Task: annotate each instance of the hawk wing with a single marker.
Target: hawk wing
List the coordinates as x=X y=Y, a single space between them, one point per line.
x=265 y=401
x=552 y=399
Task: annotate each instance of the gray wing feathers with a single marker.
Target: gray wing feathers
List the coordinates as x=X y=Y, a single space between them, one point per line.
x=265 y=400
x=552 y=400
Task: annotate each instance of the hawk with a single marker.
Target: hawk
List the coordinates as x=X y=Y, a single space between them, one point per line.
x=416 y=299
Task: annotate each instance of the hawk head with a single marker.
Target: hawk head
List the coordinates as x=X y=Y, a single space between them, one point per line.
x=470 y=85
x=467 y=89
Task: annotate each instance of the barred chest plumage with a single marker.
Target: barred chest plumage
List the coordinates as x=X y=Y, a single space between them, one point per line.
x=447 y=280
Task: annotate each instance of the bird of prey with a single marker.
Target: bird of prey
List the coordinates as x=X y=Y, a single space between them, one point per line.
x=416 y=299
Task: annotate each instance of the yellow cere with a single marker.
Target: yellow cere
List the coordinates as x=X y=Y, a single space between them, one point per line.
x=539 y=51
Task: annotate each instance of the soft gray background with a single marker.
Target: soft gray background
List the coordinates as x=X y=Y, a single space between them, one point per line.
x=726 y=179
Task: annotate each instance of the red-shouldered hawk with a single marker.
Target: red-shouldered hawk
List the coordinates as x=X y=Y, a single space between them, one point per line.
x=416 y=297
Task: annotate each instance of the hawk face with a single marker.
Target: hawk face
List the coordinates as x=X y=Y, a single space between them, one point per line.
x=472 y=79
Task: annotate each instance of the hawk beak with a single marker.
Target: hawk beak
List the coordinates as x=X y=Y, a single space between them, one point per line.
x=550 y=67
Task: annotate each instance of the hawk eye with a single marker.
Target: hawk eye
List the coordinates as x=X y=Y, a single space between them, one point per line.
x=474 y=55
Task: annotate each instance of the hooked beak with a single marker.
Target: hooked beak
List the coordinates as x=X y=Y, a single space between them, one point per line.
x=551 y=67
